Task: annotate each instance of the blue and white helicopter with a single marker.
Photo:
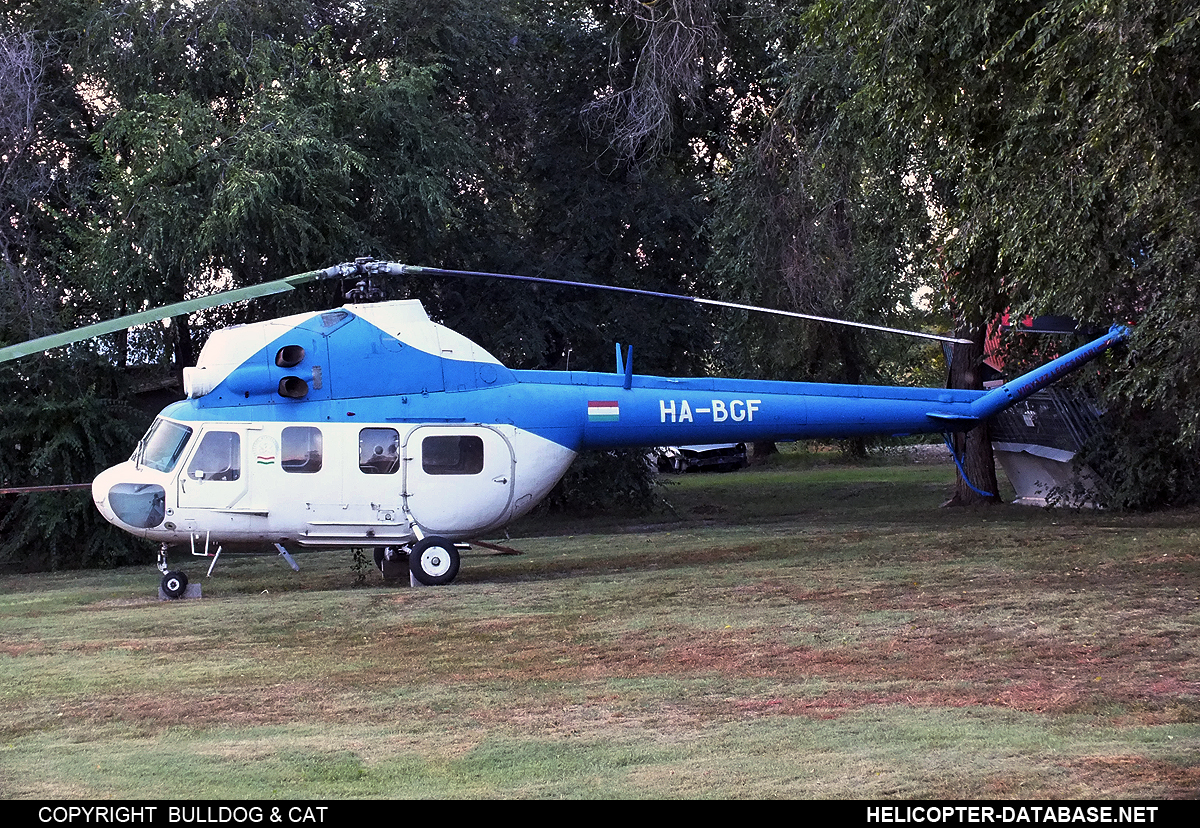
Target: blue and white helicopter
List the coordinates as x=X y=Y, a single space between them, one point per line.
x=372 y=425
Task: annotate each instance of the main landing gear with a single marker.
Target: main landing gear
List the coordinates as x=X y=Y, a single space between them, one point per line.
x=431 y=561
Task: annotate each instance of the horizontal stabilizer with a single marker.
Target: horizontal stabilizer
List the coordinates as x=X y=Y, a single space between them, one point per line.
x=951 y=418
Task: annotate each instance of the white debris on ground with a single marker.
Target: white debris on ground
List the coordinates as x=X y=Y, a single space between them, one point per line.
x=925 y=454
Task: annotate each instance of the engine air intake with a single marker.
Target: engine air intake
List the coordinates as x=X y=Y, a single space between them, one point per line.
x=289 y=356
x=293 y=388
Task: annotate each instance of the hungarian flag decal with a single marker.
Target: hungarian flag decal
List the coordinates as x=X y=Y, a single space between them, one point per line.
x=603 y=411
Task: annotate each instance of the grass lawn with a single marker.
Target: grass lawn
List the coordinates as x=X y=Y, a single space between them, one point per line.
x=802 y=630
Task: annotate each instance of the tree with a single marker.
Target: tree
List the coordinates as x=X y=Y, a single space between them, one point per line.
x=289 y=143
x=228 y=143
x=812 y=217
x=21 y=177
x=1109 y=233
x=1054 y=139
x=65 y=416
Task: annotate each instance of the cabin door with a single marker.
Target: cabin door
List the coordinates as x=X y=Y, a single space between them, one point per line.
x=214 y=476
x=458 y=479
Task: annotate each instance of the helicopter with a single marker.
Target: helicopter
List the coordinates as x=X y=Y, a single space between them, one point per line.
x=373 y=425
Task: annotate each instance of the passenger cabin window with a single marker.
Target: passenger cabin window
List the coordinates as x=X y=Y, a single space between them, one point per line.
x=219 y=457
x=379 y=450
x=301 y=450
x=456 y=454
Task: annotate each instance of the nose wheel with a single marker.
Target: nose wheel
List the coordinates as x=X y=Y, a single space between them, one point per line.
x=174 y=584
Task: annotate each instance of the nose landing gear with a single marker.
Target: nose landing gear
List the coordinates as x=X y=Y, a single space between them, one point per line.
x=174 y=584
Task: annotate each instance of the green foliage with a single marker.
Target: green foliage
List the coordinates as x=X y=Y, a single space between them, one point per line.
x=832 y=156
x=288 y=145
x=1055 y=144
x=63 y=426
x=572 y=211
x=605 y=481
x=1141 y=461
x=815 y=215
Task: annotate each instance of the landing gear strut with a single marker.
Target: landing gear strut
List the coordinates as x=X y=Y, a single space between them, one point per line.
x=173 y=584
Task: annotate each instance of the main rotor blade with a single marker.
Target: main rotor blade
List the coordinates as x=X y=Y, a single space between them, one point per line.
x=397 y=269
x=365 y=267
x=45 y=343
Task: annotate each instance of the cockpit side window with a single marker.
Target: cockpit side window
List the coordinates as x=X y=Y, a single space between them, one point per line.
x=219 y=457
x=163 y=444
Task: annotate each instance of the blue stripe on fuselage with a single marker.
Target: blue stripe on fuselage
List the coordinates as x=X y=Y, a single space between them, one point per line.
x=654 y=411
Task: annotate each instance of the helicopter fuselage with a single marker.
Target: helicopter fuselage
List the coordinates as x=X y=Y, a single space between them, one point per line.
x=371 y=425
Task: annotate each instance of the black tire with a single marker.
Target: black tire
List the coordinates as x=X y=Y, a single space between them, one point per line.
x=393 y=566
x=433 y=561
x=174 y=584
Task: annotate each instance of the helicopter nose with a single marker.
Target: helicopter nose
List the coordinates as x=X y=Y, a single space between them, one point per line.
x=101 y=483
x=129 y=505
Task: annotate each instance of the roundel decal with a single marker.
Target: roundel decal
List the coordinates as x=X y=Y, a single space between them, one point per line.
x=265 y=451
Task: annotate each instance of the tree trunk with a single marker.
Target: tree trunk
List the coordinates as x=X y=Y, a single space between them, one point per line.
x=184 y=353
x=974 y=448
x=760 y=449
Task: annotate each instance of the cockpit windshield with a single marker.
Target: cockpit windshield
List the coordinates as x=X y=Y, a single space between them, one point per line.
x=162 y=445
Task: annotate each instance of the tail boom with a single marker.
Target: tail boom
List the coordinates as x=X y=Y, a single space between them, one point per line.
x=643 y=410
x=1026 y=385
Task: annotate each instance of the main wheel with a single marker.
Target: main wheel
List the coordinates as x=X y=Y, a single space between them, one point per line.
x=383 y=554
x=174 y=584
x=433 y=561
x=391 y=561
